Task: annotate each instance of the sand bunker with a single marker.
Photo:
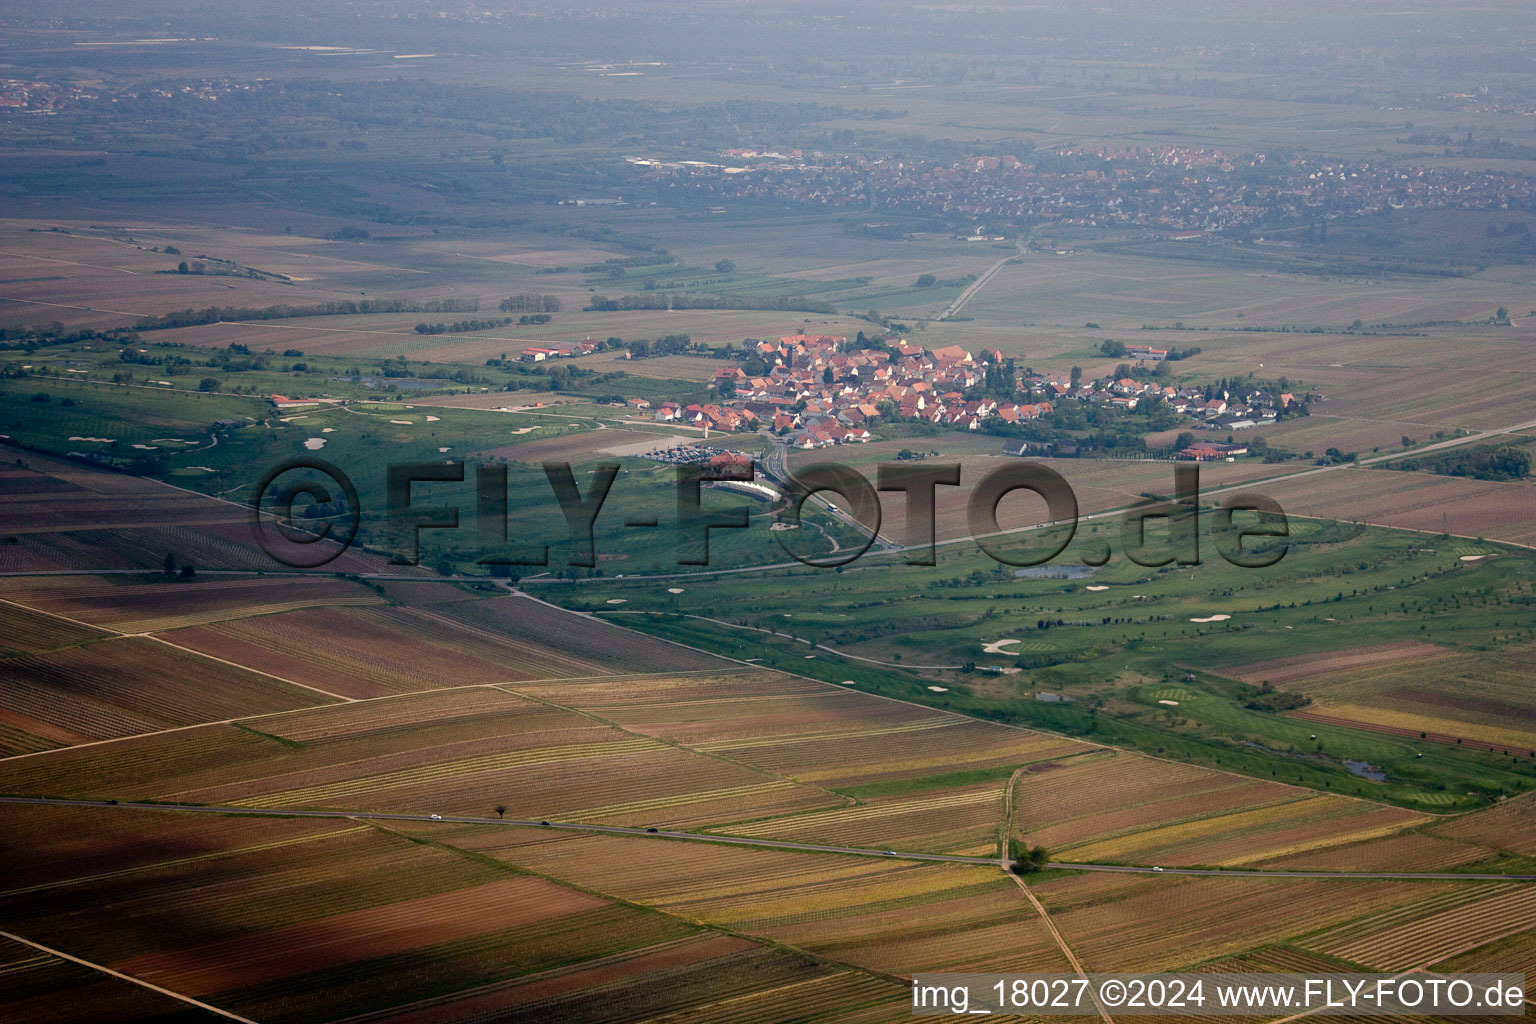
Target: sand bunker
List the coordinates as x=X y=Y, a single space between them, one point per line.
x=146 y=447
x=433 y=419
x=1096 y=587
x=441 y=450
x=403 y=423
x=939 y=689
x=315 y=443
x=327 y=430
x=524 y=430
x=998 y=647
x=98 y=440
x=617 y=600
x=1170 y=703
x=846 y=682
x=1218 y=617
x=1472 y=558
x=674 y=590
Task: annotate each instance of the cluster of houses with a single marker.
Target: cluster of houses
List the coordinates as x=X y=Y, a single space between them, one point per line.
x=1208 y=451
x=1187 y=190
x=558 y=350
x=817 y=392
x=37 y=97
x=1224 y=410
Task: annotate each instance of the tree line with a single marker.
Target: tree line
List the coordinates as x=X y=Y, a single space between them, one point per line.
x=460 y=326
x=683 y=300
x=530 y=302
x=349 y=307
x=1493 y=462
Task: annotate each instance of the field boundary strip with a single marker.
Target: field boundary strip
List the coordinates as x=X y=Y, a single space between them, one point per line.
x=155 y=865
x=1061 y=942
x=247 y=668
x=128 y=978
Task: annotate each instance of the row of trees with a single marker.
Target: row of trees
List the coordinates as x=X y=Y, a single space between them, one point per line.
x=686 y=300
x=667 y=345
x=214 y=314
x=1497 y=462
x=1111 y=349
x=530 y=302
x=460 y=326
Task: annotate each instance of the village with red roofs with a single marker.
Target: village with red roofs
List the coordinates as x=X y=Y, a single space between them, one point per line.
x=819 y=390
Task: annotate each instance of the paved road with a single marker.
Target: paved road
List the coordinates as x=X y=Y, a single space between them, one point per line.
x=1411 y=876
x=966 y=296
x=774 y=844
x=775 y=468
x=975 y=286
x=1450 y=443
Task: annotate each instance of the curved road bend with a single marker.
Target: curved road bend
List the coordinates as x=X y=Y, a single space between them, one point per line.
x=775 y=844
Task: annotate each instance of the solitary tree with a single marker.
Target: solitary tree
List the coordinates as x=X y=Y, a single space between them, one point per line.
x=500 y=810
x=1027 y=859
x=725 y=266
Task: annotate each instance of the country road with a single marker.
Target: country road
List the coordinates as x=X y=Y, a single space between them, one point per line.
x=974 y=287
x=725 y=840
